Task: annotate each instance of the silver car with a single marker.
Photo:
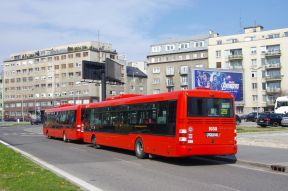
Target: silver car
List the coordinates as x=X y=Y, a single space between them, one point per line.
x=284 y=121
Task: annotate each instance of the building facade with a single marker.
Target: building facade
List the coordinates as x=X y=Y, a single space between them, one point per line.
x=1 y=98
x=169 y=63
x=262 y=57
x=136 y=81
x=40 y=79
x=141 y=65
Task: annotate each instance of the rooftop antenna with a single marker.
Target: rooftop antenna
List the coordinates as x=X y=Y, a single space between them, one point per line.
x=240 y=24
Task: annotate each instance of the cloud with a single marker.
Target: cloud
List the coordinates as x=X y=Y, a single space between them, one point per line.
x=33 y=24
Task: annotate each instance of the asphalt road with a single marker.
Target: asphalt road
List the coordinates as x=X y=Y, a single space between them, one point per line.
x=114 y=169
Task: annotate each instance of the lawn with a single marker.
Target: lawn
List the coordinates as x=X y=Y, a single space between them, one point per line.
x=11 y=124
x=19 y=173
x=251 y=129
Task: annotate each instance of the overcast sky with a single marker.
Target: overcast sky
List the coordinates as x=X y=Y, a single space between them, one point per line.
x=130 y=25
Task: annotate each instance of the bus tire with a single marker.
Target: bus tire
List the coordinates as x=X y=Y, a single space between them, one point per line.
x=139 y=149
x=47 y=135
x=93 y=141
x=65 y=138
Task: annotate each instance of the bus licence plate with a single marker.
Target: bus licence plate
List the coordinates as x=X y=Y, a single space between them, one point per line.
x=211 y=134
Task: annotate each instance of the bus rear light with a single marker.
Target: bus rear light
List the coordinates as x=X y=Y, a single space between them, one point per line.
x=78 y=130
x=182 y=139
x=182 y=131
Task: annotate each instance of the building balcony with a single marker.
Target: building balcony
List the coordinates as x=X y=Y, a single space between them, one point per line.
x=169 y=84
x=183 y=72
x=236 y=67
x=272 y=66
x=183 y=83
x=235 y=57
x=170 y=73
x=273 y=53
x=273 y=78
x=273 y=90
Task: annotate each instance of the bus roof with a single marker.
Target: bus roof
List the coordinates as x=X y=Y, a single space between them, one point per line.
x=160 y=97
x=63 y=107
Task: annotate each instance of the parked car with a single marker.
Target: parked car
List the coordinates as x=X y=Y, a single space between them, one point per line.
x=284 y=121
x=269 y=119
x=35 y=120
x=251 y=117
x=238 y=120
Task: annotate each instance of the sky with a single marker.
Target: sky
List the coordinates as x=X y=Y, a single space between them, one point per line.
x=130 y=25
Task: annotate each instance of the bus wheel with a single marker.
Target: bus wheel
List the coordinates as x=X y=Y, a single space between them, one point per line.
x=93 y=141
x=47 y=135
x=139 y=149
x=65 y=138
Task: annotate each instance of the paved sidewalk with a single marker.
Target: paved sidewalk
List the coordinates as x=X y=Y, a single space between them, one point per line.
x=264 y=139
x=262 y=149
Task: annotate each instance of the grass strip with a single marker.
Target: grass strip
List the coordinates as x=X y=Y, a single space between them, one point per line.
x=256 y=129
x=12 y=124
x=19 y=173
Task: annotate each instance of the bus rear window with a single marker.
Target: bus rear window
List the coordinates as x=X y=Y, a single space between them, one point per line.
x=209 y=107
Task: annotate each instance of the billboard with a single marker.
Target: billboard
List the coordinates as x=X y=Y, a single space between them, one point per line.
x=92 y=70
x=226 y=81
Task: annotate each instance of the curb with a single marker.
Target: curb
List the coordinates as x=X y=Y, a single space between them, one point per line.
x=274 y=167
x=77 y=181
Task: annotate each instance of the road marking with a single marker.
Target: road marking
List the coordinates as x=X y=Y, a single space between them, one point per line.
x=226 y=187
x=58 y=171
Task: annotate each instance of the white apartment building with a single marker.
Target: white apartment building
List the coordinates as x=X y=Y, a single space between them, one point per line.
x=169 y=62
x=262 y=56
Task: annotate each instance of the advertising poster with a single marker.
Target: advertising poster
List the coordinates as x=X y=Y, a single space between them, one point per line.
x=220 y=80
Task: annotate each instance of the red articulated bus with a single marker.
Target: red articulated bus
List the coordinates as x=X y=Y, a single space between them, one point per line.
x=64 y=122
x=174 y=124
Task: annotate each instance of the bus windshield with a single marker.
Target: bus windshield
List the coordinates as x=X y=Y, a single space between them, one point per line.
x=209 y=107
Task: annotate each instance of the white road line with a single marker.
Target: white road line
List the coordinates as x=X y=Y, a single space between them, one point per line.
x=58 y=171
x=226 y=187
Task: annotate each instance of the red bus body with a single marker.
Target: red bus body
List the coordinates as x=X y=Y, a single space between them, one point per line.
x=70 y=126
x=191 y=133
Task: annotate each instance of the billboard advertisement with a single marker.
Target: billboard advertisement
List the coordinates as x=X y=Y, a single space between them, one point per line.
x=226 y=81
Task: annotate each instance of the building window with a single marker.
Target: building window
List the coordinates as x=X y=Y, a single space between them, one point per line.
x=156 y=70
x=253 y=62
x=218 y=65
x=78 y=55
x=219 y=42
x=170 y=47
x=85 y=54
x=70 y=65
x=184 y=46
x=170 y=70
x=156 y=49
x=218 y=53
x=253 y=74
x=70 y=56
x=253 y=50
x=255 y=97
x=199 y=44
x=63 y=57
x=63 y=66
x=156 y=81
x=254 y=86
